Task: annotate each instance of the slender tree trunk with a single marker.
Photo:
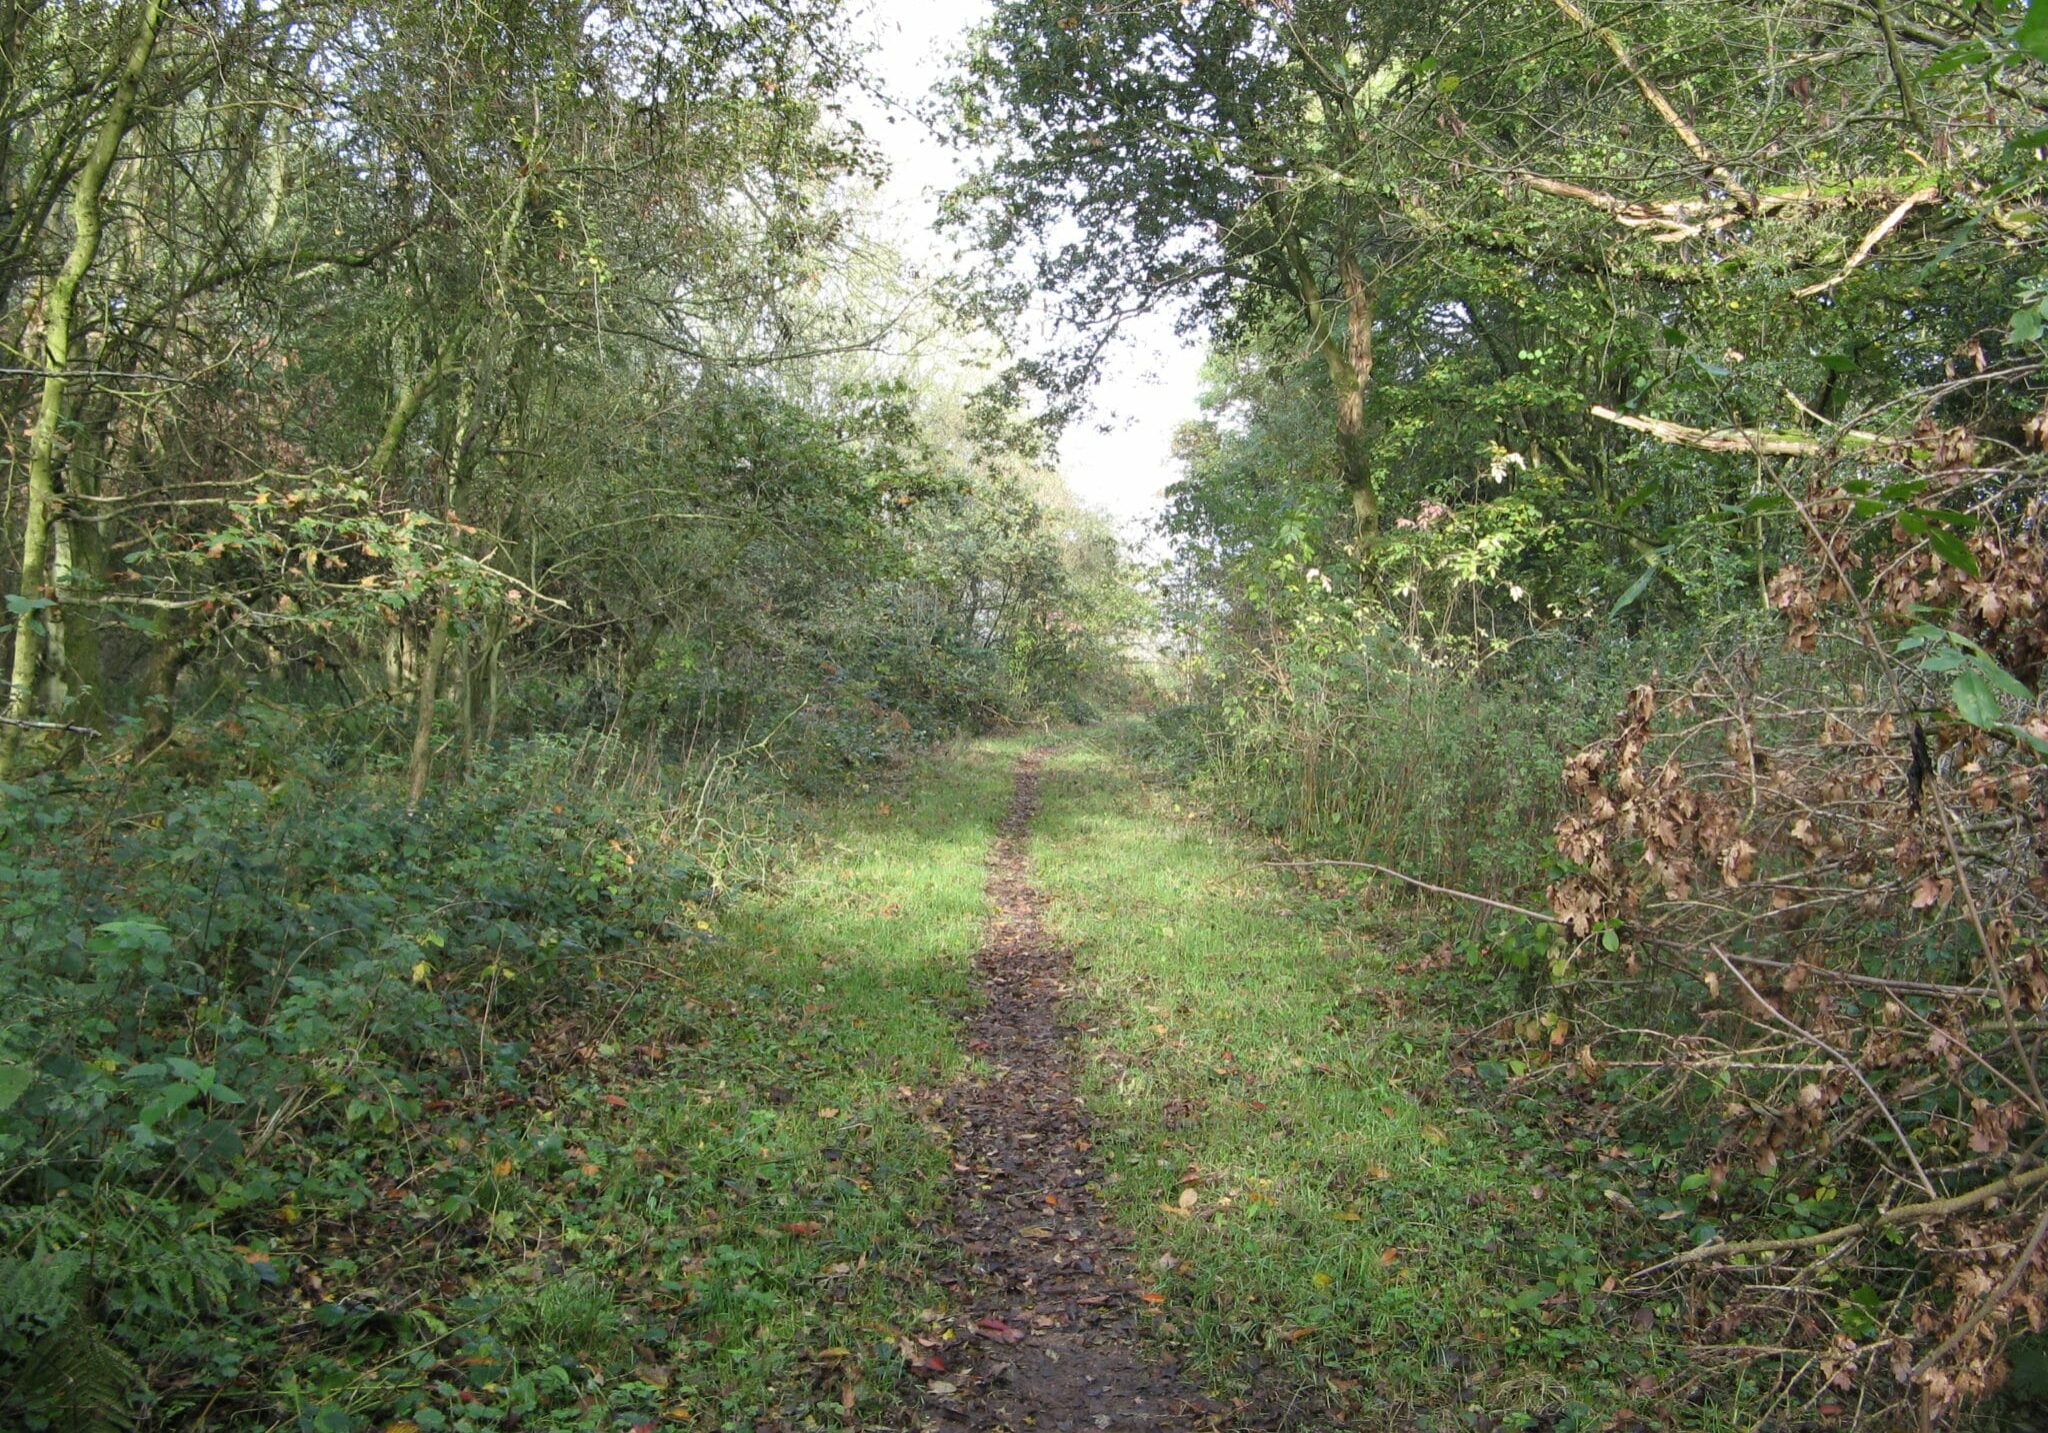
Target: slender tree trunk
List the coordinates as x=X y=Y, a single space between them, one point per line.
x=491 y=658
x=72 y=679
x=422 y=763
x=167 y=657
x=44 y=498
x=1352 y=371
x=392 y=660
x=465 y=695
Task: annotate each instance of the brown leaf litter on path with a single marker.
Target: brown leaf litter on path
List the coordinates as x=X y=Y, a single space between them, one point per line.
x=1049 y=1338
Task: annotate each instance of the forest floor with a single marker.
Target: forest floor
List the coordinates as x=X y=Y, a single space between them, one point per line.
x=1029 y=1100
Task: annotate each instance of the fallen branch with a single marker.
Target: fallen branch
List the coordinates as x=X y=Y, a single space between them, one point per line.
x=1677 y=220
x=1856 y=1071
x=1427 y=886
x=2016 y=1183
x=1657 y=101
x=27 y=725
x=1991 y=1302
x=1734 y=440
x=1875 y=237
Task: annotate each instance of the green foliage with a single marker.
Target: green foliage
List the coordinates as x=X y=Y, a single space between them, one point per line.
x=67 y=1375
x=228 y=999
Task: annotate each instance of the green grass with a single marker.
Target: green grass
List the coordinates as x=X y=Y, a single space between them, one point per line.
x=1357 y=1232
x=803 y=1185
x=724 y=1207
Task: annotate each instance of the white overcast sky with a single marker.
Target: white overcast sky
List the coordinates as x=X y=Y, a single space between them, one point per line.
x=1119 y=460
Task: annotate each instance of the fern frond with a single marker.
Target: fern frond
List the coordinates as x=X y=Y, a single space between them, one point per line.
x=76 y=1377
x=69 y=1375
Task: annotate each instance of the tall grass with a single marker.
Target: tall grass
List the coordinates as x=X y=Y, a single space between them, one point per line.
x=1446 y=771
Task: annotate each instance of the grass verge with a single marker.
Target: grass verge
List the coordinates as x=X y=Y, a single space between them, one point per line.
x=1328 y=1209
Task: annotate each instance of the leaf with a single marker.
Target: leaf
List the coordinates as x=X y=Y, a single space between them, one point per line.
x=1976 y=702
x=803 y=1227
x=2002 y=680
x=1952 y=550
x=1189 y=1198
x=1642 y=585
x=1970 y=52
x=2032 y=35
x=14 y=1083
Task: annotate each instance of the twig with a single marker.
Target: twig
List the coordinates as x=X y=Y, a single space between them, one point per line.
x=1855 y=1070
x=1427 y=886
x=1658 y=102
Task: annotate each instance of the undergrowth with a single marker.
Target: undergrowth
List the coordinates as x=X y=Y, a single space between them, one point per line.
x=318 y=1113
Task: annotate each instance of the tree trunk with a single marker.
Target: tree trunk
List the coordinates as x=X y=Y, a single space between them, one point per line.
x=392 y=660
x=491 y=657
x=45 y=503
x=422 y=764
x=465 y=698
x=73 y=682
x=167 y=657
x=1351 y=370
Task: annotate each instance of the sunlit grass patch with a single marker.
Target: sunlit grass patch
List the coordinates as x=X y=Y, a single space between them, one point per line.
x=807 y=1176
x=728 y=1209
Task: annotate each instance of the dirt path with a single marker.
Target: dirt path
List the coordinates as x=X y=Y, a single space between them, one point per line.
x=1050 y=1336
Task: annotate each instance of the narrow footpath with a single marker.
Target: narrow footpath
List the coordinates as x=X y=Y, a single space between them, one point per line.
x=1048 y=1336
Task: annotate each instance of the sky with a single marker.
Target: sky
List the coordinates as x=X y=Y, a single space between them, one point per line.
x=1119 y=459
